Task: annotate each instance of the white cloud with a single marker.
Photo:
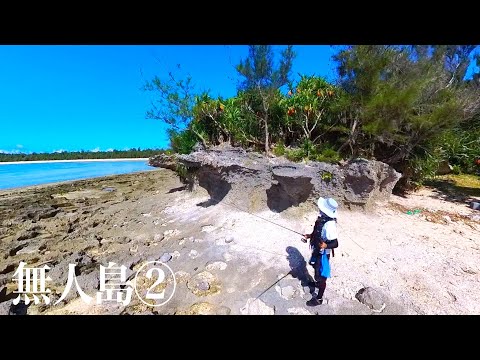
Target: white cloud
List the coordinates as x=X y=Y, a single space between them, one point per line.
x=59 y=151
x=109 y=150
x=19 y=146
x=97 y=149
x=10 y=152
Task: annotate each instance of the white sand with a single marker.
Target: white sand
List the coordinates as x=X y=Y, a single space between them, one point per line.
x=428 y=267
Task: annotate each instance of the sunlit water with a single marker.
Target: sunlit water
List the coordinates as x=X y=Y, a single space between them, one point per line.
x=26 y=174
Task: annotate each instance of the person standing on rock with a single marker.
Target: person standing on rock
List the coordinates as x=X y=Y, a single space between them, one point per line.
x=323 y=240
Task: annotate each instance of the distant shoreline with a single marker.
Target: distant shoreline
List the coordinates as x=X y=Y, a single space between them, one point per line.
x=79 y=160
x=113 y=177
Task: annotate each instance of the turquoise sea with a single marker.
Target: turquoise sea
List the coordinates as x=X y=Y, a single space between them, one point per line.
x=26 y=174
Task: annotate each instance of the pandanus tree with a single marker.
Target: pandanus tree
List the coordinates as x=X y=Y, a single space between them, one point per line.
x=307 y=108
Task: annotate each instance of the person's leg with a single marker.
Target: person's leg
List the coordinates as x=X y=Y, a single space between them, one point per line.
x=320 y=283
x=315 y=262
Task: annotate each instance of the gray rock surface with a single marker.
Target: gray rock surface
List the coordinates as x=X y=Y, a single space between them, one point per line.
x=223 y=310
x=257 y=307
x=216 y=265
x=165 y=257
x=232 y=173
x=31 y=249
x=371 y=297
x=298 y=311
x=288 y=292
x=204 y=308
x=5 y=307
x=89 y=283
x=203 y=284
x=164 y=161
x=444 y=168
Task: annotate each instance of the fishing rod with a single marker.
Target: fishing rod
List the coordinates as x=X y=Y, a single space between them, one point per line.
x=221 y=201
x=246 y=211
x=264 y=291
x=274 y=223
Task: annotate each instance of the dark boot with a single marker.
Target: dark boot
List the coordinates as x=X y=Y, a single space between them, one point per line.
x=314 y=301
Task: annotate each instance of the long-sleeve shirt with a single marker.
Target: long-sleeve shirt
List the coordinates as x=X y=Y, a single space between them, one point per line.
x=328 y=234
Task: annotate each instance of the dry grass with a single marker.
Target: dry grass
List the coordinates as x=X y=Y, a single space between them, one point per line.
x=463 y=180
x=438 y=216
x=461 y=186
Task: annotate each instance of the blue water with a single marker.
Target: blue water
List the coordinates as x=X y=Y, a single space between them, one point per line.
x=25 y=174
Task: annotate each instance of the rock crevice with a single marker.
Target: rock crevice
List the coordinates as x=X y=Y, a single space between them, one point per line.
x=257 y=182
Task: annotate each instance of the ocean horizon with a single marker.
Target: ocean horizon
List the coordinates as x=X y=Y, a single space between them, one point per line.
x=28 y=174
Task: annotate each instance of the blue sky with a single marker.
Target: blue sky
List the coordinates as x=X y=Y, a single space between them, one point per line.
x=69 y=98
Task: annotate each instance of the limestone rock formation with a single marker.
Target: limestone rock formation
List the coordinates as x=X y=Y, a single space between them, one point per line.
x=233 y=172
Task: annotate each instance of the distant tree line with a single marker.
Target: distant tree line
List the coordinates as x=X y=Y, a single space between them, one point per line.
x=80 y=155
x=409 y=106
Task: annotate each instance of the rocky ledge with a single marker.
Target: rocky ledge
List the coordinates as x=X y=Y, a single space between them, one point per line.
x=252 y=180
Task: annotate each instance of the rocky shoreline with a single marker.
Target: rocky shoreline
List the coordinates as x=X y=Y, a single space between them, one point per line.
x=225 y=260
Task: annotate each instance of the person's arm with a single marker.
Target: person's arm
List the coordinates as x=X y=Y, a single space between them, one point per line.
x=330 y=235
x=332 y=244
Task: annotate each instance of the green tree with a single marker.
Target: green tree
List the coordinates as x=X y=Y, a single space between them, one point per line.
x=176 y=98
x=208 y=118
x=262 y=78
x=401 y=98
x=308 y=107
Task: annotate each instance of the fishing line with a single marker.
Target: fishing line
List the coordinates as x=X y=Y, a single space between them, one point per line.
x=296 y=232
x=219 y=201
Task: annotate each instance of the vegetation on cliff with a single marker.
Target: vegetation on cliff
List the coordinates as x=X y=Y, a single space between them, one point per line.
x=408 y=106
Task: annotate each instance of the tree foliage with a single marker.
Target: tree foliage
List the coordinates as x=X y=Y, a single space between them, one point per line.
x=308 y=108
x=402 y=98
x=262 y=80
x=409 y=106
x=174 y=102
x=176 y=97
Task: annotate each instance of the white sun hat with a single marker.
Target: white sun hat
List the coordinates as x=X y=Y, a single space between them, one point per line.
x=328 y=207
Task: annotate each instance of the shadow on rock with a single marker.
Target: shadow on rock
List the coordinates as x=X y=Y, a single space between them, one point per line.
x=209 y=202
x=288 y=192
x=4 y=296
x=19 y=309
x=298 y=267
x=216 y=187
x=181 y=188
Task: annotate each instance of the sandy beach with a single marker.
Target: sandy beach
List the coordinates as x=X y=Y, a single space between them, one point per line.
x=66 y=161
